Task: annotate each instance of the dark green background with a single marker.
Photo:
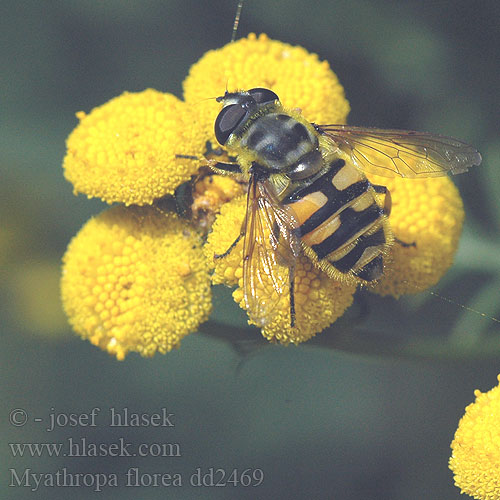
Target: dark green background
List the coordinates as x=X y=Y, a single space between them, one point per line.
x=366 y=411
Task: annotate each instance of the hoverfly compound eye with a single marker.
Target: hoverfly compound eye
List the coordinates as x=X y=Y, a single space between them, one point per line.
x=227 y=121
x=262 y=96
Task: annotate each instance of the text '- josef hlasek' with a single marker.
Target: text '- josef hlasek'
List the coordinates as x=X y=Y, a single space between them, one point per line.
x=113 y=417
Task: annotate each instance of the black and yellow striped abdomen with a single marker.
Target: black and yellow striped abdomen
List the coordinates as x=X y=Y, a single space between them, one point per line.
x=341 y=225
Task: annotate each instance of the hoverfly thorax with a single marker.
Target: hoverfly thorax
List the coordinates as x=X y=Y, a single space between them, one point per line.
x=255 y=122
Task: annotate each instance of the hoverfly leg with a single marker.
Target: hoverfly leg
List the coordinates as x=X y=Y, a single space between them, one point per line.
x=387 y=210
x=387 y=198
x=291 y=274
x=276 y=232
x=235 y=168
x=404 y=244
x=187 y=157
x=224 y=167
x=233 y=244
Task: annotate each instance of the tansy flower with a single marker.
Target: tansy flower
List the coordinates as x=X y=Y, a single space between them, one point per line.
x=140 y=147
x=475 y=458
x=135 y=279
x=299 y=78
x=129 y=149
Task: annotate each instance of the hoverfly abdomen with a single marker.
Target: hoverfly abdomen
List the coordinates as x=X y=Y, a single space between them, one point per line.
x=368 y=246
x=341 y=225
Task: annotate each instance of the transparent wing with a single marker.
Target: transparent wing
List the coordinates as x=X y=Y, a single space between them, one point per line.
x=402 y=152
x=271 y=247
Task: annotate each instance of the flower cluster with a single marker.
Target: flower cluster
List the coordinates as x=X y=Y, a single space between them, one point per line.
x=475 y=459
x=137 y=277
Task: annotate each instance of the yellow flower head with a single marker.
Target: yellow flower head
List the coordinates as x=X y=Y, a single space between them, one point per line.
x=135 y=279
x=475 y=459
x=127 y=149
x=299 y=78
x=427 y=217
x=319 y=301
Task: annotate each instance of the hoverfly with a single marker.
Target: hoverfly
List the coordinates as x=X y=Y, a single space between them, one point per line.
x=307 y=191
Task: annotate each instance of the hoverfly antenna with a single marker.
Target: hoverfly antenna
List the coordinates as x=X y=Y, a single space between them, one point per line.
x=221 y=97
x=237 y=20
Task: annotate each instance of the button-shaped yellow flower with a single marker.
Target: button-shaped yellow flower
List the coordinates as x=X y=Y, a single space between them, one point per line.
x=475 y=459
x=135 y=279
x=297 y=76
x=127 y=150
